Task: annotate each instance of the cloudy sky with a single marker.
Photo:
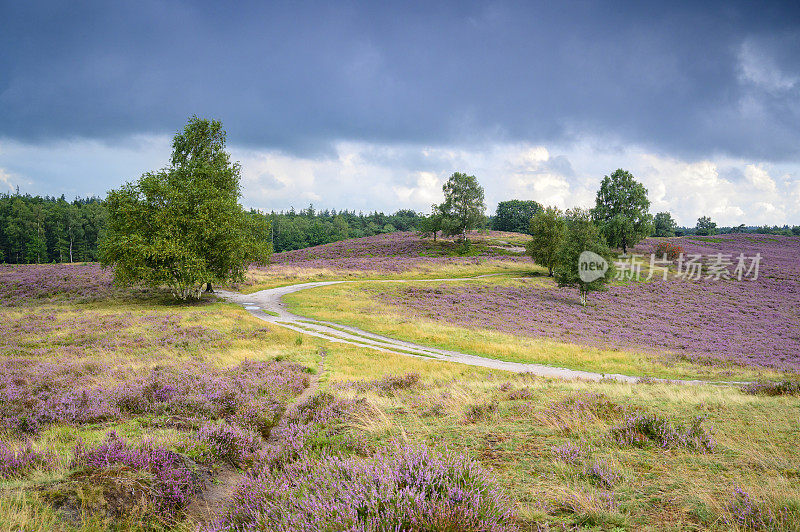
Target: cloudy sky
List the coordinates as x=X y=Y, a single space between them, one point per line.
x=371 y=105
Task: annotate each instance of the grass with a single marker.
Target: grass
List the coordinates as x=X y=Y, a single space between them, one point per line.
x=358 y=305
x=510 y=423
x=665 y=490
x=281 y=275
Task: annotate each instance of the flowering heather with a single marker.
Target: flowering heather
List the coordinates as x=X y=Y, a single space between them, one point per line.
x=17 y=462
x=173 y=482
x=386 y=384
x=229 y=442
x=640 y=429
x=773 y=388
x=569 y=453
x=23 y=284
x=387 y=253
x=744 y=322
x=70 y=331
x=403 y=488
x=35 y=393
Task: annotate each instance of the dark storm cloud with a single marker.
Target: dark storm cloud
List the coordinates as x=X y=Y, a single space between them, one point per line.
x=717 y=79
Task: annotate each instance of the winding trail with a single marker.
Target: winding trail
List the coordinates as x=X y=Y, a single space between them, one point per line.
x=267 y=305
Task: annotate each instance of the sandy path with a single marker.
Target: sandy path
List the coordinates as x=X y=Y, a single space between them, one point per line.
x=268 y=306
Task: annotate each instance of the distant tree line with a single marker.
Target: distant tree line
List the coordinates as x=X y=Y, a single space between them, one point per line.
x=309 y=227
x=35 y=229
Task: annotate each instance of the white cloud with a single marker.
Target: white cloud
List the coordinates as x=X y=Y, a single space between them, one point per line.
x=386 y=177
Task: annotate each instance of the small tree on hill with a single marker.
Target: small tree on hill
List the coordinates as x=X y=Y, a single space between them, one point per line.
x=705 y=226
x=463 y=205
x=183 y=226
x=581 y=235
x=664 y=225
x=430 y=225
x=621 y=210
x=547 y=231
x=515 y=215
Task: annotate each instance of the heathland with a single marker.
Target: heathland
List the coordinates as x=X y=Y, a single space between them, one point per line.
x=123 y=410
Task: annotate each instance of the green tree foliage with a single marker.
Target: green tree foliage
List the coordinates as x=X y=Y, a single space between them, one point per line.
x=463 y=206
x=515 y=215
x=309 y=227
x=621 y=210
x=664 y=225
x=547 y=231
x=705 y=226
x=580 y=235
x=430 y=225
x=182 y=226
x=45 y=229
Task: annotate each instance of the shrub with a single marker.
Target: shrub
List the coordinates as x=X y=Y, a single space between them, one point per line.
x=229 y=442
x=747 y=514
x=172 y=481
x=638 y=430
x=18 y=462
x=522 y=393
x=773 y=388
x=386 y=384
x=668 y=249
x=478 y=411
x=569 y=453
x=401 y=488
x=602 y=474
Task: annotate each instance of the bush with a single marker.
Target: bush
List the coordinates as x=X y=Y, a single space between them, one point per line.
x=479 y=411
x=773 y=388
x=402 y=488
x=18 y=462
x=638 y=430
x=172 y=481
x=672 y=251
x=229 y=442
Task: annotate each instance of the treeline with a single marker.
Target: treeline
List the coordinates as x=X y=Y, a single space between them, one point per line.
x=34 y=229
x=308 y=227
x=784 y=230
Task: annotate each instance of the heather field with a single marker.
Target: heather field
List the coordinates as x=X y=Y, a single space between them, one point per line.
x=399 y=255
x=722 y=327
x=121 y=410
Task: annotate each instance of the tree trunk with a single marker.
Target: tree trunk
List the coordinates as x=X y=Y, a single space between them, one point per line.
x=209 y=289
x=70 y=250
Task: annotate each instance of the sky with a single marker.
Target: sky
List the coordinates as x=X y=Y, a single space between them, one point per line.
x=372 y=105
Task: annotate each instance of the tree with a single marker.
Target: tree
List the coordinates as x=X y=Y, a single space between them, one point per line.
x=463 y=205
x=547 y=231
x=515 y=215
x=621 y=210
x=664 y=224
x=431 y=224
x=705 y=226
x=182 y=226
x=581 y=235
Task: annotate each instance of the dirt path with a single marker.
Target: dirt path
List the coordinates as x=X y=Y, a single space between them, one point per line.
x=210 y=503
x=267 y=305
